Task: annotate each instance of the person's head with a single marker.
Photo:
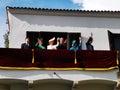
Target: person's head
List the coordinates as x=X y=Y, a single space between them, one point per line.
x=61 y=40
x=51 y=41
x=90 y=40
x=27 y=40
x=40 y=41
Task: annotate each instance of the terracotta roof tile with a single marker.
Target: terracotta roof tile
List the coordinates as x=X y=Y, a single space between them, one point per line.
x=77 y=10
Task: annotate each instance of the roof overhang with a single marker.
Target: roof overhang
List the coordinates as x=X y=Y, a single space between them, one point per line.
x=62 y=12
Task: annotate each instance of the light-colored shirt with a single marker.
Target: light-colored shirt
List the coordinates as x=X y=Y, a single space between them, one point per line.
x=53 y=47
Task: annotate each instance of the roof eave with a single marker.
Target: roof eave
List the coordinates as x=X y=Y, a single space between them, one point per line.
x=63 y=12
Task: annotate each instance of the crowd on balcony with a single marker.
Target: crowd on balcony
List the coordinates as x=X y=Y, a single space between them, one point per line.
x=61 y=44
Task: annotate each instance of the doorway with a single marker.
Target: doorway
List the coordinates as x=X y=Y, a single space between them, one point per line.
x=114 y=42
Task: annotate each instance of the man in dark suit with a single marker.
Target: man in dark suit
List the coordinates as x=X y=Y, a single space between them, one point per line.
x=26 y=45
x=62 y=43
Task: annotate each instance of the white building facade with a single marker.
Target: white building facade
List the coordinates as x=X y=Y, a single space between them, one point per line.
x=102 y=24
x=23 y=20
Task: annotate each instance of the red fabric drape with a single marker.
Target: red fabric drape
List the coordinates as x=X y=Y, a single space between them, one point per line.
x=57 y=58
x=96 y=59
x=15 y=57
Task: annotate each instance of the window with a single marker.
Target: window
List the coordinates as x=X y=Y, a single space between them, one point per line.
x=48 y=35
x=114 y=41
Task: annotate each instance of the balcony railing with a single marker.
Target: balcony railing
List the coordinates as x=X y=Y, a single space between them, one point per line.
x=58 y=59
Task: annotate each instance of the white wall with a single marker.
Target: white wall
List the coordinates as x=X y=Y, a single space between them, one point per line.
x=69 y=75
x=19 y=24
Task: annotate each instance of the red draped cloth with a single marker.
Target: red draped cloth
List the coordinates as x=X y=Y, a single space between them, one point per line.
x=96 y=59
x=57 y=58
x=15 y=57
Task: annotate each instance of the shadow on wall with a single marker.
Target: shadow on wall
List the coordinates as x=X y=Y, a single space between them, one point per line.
x=65 y=21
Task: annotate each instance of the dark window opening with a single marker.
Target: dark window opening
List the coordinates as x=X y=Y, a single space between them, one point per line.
x=114 y=41
x=48 y=35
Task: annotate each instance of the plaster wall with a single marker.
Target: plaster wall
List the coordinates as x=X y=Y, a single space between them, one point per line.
x=99 y=26
x=68 y=75
x=20 y=24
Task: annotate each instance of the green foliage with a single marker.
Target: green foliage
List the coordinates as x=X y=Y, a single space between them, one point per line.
x=6 y=40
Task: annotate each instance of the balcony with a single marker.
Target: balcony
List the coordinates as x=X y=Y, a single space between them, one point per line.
x=58 y=59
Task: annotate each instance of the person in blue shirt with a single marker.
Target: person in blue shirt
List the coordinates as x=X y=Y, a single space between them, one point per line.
x=76 y=46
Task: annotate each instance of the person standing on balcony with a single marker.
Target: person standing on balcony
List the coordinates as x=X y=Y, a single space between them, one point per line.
x=26 y=45
x=62 y=43
x=89 y=42
x=51 y=45
x=76 y=46
x=39 y=44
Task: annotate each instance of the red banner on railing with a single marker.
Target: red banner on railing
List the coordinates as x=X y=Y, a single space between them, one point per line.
x=57 y=59
x=15 y=57
x=97 y=59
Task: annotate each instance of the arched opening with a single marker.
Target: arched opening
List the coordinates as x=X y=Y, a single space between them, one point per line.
x=96 y=84
x=52 y=84
x=13 y=84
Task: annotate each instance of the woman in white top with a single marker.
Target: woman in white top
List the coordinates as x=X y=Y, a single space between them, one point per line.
x=51 y=45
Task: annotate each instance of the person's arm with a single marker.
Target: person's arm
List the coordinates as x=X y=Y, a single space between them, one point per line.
x=80 y=43
x=42 y=47
x=36 y=44
x=58 y=42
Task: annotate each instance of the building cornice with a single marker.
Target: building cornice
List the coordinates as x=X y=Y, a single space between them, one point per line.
x=62 y=12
